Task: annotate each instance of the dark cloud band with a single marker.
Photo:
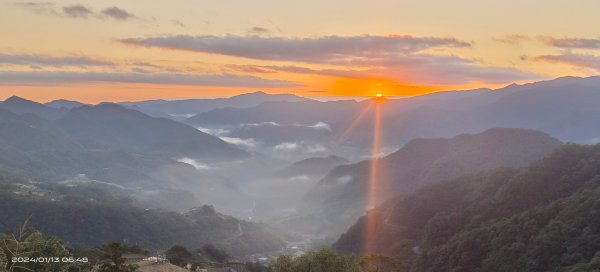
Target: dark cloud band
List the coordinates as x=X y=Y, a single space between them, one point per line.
x=60 y=61
x=59 y=78
x=327 y=49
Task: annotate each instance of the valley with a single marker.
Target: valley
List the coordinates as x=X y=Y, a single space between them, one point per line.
x=262 y=176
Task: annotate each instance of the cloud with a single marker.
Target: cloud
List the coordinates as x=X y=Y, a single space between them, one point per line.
x=344 y=179
x=351 y=73
x=77 y=11
x=513 y=39
x=117 y=13
x=400 y=58
x=571 y=43
x=287 y=146
x=577 y=60
x=42 y=8
x=253 y=69
x=222 y=134
x=562 y=43
x=214 y=131
x=259 y=30
x=449 y=70
x=249 y=143
x=299 y=178
x=321 y=125
x=273 y=124
x=318 y=125
x=300 y=146
x=54 y=61
x=194 y=163
x=177 y=23
x=63 y=77
x=316 y=148
x=326 y=49
x=423 y=69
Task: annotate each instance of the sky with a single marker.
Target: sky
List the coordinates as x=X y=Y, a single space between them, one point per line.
x=128 y=50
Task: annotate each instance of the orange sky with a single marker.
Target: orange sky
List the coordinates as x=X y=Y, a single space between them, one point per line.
x=119 y=50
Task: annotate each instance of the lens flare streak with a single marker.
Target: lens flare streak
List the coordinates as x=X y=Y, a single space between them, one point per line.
x=373 y=181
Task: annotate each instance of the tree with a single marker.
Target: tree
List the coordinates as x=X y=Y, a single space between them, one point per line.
x=32 y=244
x=115 y=261
x=255 y=267
x=179 y=255
x=215 y=253
x=380 y=263
x=283 y=263
x=324 y=260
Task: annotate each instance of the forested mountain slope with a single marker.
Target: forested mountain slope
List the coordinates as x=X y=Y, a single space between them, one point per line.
x=542 y=218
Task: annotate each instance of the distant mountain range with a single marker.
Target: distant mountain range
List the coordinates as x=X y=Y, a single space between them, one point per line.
x=180 y=109
x=19 y=105
x=541 y=218
x=63 y=103
x=566 y=108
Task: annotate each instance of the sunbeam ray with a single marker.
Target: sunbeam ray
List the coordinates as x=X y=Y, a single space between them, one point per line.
x=374 y=176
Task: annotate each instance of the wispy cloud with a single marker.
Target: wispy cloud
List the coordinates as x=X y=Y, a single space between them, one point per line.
x=257 y=30
x=177 y=23
x=118 y=13
x=77 y=11
x=342 y=72
x=300 y=146
x=577 y=60
x=248 y=143
x=428 y=69
x=513 y=38
x=253 y=69
x=194 y=163
x=54 y=61
x=272 y=124
x=58 y=78
x=42 y=8
x=562 y=43
x=320 y=125
x=571 y=43
x=287 y=146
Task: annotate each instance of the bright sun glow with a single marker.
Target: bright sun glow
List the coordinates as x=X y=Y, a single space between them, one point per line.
x=379 y=95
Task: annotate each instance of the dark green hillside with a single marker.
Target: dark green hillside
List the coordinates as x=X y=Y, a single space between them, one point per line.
x=340 y=198
x=542 y=218
x=88 y=223
x=39 y=150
